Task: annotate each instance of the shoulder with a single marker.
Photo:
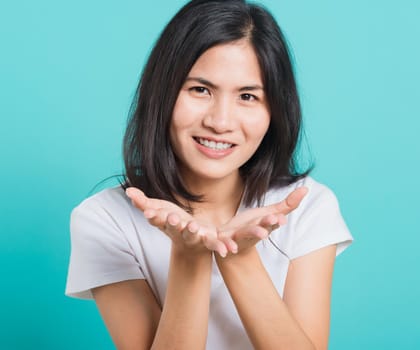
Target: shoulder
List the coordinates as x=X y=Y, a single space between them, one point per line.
x=109 y=199
x=108 y=214
x=109 y=204
x=319 y=198
x=104 y=242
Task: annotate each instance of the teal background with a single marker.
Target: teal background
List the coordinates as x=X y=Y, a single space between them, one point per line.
x=67 y=75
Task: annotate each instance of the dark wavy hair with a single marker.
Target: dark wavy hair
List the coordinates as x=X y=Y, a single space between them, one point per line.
x=150 y=163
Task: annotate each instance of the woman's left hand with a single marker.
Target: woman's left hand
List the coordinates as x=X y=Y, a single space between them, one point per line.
x=247 y=228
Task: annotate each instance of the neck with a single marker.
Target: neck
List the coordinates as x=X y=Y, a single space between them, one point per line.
x=221 y=199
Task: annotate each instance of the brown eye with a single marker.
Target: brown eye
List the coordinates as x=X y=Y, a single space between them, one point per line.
x=248 y=97
x=199 y=89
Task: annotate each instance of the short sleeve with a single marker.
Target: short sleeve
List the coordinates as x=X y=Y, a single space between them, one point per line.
x=100 y=253
x=319 y=223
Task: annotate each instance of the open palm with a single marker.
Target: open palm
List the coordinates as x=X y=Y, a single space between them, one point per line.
x=181 y=227
x=248 y=227
x=243 y=231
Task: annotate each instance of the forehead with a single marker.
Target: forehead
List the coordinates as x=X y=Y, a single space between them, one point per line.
x=236 y=62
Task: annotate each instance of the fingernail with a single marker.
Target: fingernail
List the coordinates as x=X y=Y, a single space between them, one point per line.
x=192 y=227
x=129 y=192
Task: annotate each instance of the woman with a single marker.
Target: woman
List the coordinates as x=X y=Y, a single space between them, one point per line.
x=197 y=253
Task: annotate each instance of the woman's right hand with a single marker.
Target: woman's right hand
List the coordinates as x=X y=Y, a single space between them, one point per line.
x=181 y=227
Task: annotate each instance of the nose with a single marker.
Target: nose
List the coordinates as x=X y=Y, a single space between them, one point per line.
x=219 y=116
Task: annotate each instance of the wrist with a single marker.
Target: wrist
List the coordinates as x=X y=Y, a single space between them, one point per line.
x=242 y=258
x=190 y=257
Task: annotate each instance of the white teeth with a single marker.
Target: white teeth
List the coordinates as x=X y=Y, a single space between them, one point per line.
x=214 y=145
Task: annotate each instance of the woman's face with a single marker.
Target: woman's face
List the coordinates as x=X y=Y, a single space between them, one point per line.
x=221 y=113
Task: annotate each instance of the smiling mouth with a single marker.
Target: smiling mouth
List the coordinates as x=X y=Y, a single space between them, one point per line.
x=213 y=144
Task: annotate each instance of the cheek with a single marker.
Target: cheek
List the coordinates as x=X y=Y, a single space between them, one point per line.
x=186 y=112
x=184 y=118
x=176 y=123
x=177 y=114
x=258 y=127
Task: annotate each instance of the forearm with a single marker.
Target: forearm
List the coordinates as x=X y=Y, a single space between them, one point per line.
x=184 y=320
x=264 y=315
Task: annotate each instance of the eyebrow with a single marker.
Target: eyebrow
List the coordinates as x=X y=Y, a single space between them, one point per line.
x=214 y=86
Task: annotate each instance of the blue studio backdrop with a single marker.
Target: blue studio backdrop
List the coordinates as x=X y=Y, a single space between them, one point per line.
x=68 y=71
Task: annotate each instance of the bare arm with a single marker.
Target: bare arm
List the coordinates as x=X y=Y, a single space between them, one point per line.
x=298 y=321
x=301 y=319
x=133 y=317
x=184 y=320
x=307 y=293
x=130 y=312
x=129 y=309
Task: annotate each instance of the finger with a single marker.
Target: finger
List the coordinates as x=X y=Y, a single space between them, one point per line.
x=293 y=199
x=258 y=232
x=214 y=244
x=173 y=225
x=158 y=219
x=291 y=202
x=230 y=244
x=149 y=213
x=268 y=221
x=253 y=233
x=138 y=198
x=190 y=233
x=141 y=201
x=173 y=221
x=272 y=222
x=281 y=221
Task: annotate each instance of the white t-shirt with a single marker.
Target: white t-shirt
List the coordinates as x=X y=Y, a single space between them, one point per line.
x=111 y=241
